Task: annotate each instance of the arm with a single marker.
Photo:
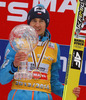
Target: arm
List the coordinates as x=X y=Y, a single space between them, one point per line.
x=7 y=69
x=56 y=85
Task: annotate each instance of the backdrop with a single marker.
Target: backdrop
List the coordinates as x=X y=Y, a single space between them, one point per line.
x=62 y=13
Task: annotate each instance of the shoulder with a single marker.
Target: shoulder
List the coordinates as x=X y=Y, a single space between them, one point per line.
x=9 y=50
x=9 y=47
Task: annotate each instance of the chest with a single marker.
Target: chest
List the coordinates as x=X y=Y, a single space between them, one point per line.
x=48 y=56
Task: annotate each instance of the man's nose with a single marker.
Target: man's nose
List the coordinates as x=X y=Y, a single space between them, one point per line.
x=37 y=24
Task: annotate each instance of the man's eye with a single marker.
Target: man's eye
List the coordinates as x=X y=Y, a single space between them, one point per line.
x=41 y=20
x=34 y=20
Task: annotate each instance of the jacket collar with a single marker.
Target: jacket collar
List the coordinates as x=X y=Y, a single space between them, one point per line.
x=46 y=36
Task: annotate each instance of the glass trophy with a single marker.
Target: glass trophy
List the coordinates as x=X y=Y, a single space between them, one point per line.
x=23 y=38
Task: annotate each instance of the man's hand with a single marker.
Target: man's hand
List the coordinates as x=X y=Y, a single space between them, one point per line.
x=20 y=56
x=76 y=91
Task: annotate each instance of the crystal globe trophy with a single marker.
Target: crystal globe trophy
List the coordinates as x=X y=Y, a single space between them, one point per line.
x=23 y=38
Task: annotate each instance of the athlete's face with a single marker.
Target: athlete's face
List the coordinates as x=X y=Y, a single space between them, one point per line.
x=39 y=25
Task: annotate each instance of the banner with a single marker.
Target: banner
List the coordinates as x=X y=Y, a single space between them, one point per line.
x=62 y=13
x=14 y=12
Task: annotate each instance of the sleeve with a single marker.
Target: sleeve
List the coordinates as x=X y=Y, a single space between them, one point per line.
x=7 y=69
x=56 y=85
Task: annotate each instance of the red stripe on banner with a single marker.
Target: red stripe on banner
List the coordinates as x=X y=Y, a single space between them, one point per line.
x=5 y=89
x=81 y=96
x=60 y=34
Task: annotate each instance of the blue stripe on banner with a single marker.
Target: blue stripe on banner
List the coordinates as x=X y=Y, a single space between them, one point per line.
x=64 y=58
x=3 y=44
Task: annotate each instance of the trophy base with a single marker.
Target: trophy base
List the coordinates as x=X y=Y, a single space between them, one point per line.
x=22 y=75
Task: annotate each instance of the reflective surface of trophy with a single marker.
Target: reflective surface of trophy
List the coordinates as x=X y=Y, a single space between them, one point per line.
x=23 y=38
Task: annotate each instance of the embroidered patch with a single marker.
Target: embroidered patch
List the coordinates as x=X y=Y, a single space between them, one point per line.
x=43 y=69
x=5 y=63
x=40 y=43
x=7 y=53
x=39 y=9
x=51 y=45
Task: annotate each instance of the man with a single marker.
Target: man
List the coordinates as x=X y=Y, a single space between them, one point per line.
x=47 y=55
